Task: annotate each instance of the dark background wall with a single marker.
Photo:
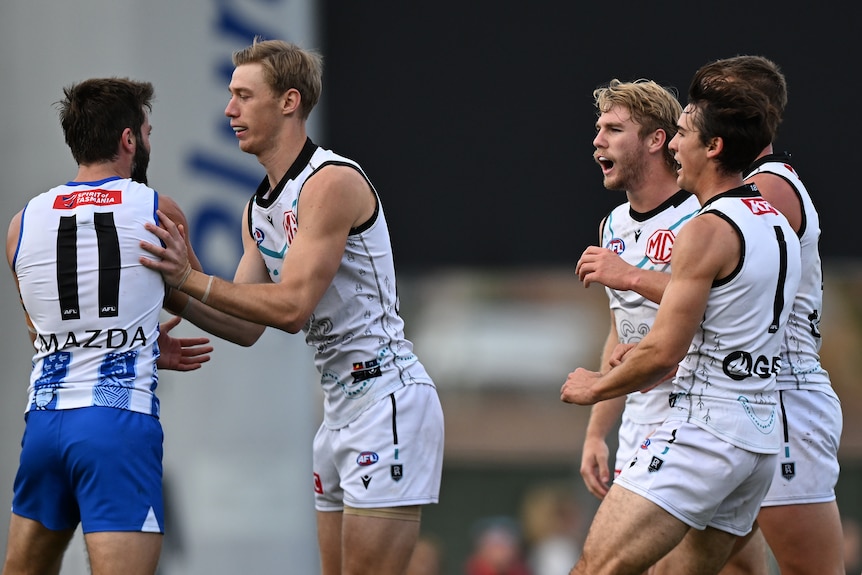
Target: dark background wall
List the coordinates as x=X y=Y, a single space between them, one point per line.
x=475 y=118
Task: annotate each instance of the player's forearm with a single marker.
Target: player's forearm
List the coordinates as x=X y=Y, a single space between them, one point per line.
x=261 y=304
x=650 y=284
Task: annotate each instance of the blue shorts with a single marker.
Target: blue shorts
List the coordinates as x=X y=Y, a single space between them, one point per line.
x=99 y=466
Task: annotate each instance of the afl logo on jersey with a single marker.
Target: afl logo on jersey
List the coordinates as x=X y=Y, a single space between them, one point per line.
x=289 y=226
x=616 y=245
x=659 y=246
x=259 y=236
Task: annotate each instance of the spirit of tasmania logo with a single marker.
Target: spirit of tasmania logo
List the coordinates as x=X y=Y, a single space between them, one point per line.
x=88 y=197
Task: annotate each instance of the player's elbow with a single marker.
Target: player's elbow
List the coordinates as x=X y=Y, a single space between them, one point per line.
x=292 y=321
x=248 y=337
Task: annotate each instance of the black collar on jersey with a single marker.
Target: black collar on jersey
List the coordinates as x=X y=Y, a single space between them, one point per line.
x=743 y=191
x=675 y=200
x=298 y=165
x=783 y=157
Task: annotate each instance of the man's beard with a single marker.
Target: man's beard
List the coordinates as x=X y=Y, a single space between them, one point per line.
x=140 y=163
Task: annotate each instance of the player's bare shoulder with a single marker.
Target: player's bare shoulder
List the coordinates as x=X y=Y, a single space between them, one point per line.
x=341 y=188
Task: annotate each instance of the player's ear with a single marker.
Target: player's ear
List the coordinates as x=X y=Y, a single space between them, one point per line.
x=657 y=140
x=291 y=101
x=714 y=146
x=127 y=139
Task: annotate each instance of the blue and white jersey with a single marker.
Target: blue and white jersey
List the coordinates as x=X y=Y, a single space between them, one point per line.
x=800 y=363
x=95 y=308
x=726 y=384
x=644 y=240
x=358 y=336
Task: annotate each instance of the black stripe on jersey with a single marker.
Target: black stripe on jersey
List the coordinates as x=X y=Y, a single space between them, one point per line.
x=109 y=264
x=67 y=268
x=778 y=303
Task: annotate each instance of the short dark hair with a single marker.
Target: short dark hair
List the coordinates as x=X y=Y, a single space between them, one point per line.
x=94 y=113
x=728 y=109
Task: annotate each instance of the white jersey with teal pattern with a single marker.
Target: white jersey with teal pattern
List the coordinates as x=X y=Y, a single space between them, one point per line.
x=361 y=351
x=726 y=383
x=644 y=240
x=800 y=366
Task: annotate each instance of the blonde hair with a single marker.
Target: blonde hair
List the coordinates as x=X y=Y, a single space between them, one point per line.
x=652 y=106
x=286 y=66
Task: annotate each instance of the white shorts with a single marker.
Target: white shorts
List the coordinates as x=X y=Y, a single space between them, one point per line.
x=391 y=456
x=700 y=479
x=808 y=467
x=631 y=435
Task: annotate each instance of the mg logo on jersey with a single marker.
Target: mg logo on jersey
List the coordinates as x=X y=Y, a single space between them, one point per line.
x=759 y=206
x=617 y=246
x=659 y=246
x=289 y=226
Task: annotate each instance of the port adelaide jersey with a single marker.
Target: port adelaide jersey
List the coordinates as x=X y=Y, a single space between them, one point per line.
x=357 y=334
x=644 y=240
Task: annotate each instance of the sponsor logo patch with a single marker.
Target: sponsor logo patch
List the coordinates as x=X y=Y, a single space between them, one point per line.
x=88 y=198
x=659 y=246
x=397 y=472
x=655 y=464
x=759 y=206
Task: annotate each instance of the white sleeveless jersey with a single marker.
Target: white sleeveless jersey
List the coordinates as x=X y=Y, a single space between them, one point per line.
x=644 y=240
x=726 y=383
x=800 y=362
x=358 y=337
x=95 y=308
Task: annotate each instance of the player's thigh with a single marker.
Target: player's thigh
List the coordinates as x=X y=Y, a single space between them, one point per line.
x=701 y=551
x=329 y=541
x=123 y=552
x=628 y=534
x=805 y=538
x=750 y=555
x=33 y=548
x=378 y=543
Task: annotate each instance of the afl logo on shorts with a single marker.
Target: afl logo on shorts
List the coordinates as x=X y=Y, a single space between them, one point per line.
x=367 y=458
x=259 y=236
